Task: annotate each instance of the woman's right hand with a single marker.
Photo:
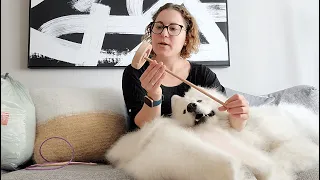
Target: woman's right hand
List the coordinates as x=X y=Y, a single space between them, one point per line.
x=152 y=78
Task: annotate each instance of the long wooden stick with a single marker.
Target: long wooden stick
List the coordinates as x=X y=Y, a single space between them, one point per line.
x=190 y=84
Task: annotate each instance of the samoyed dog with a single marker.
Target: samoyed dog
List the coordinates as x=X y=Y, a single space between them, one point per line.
x=288 y=133
x=198 y=142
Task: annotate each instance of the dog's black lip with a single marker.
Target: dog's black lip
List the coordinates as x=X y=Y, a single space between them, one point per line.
x=198 y=115
x=201 y=118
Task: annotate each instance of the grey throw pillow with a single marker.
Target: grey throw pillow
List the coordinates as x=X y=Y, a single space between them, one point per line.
x=252 y=99
x=305 y=95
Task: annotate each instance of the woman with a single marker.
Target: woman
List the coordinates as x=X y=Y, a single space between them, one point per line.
x=147 y=92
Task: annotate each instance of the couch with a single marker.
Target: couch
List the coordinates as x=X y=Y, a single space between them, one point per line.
x=302 y=94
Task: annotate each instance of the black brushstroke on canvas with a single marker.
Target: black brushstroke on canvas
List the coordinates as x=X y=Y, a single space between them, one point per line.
x=122 y=43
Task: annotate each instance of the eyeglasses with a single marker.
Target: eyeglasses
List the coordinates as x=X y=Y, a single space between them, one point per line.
x=173 y=29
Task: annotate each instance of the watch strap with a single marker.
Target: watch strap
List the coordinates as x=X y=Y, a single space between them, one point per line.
x=152 y=103
x=157 y=103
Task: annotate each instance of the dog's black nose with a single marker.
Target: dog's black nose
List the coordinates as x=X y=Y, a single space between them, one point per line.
x=211 y=113
x=191 y=107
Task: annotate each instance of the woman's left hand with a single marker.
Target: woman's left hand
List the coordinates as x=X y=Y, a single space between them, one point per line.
x=238 y=108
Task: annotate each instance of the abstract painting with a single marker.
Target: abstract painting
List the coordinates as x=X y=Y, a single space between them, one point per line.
x=107 y=33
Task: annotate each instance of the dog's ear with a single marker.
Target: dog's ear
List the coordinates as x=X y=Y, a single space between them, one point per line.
x=174 y=98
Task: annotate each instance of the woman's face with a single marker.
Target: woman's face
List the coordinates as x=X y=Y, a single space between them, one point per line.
x=164 y=44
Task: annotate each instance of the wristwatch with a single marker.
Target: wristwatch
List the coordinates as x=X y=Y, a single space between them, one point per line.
x=150 y=102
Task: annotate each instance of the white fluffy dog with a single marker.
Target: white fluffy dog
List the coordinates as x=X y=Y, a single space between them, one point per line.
x=198 y=143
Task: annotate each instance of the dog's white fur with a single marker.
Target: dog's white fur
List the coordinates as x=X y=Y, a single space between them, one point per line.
x=277 y=142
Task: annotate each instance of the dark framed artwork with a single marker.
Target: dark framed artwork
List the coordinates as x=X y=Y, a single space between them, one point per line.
x=107 y=33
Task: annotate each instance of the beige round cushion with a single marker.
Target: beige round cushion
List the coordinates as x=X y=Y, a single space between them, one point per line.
x=91 y=119
x=90 y=134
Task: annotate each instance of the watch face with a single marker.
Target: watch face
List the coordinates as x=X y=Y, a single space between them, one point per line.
x=148 y=101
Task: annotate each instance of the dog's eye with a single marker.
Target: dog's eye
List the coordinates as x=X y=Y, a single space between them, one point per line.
x=199 y=101
x=184 y=111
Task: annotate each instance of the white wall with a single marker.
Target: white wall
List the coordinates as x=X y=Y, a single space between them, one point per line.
x=273 y=45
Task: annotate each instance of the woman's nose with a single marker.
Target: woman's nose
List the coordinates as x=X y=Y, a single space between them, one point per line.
x=165 y=32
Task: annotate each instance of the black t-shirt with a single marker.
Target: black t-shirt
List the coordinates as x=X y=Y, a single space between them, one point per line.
x=133 y=92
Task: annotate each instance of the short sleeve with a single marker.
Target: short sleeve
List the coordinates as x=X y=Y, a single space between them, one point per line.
x=211 y=80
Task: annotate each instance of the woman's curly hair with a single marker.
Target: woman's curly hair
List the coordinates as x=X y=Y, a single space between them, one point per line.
x=192 y=36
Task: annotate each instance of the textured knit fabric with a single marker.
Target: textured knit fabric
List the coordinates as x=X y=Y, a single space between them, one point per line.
x=253 y=100
x=305 y=95
x=133 y=92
